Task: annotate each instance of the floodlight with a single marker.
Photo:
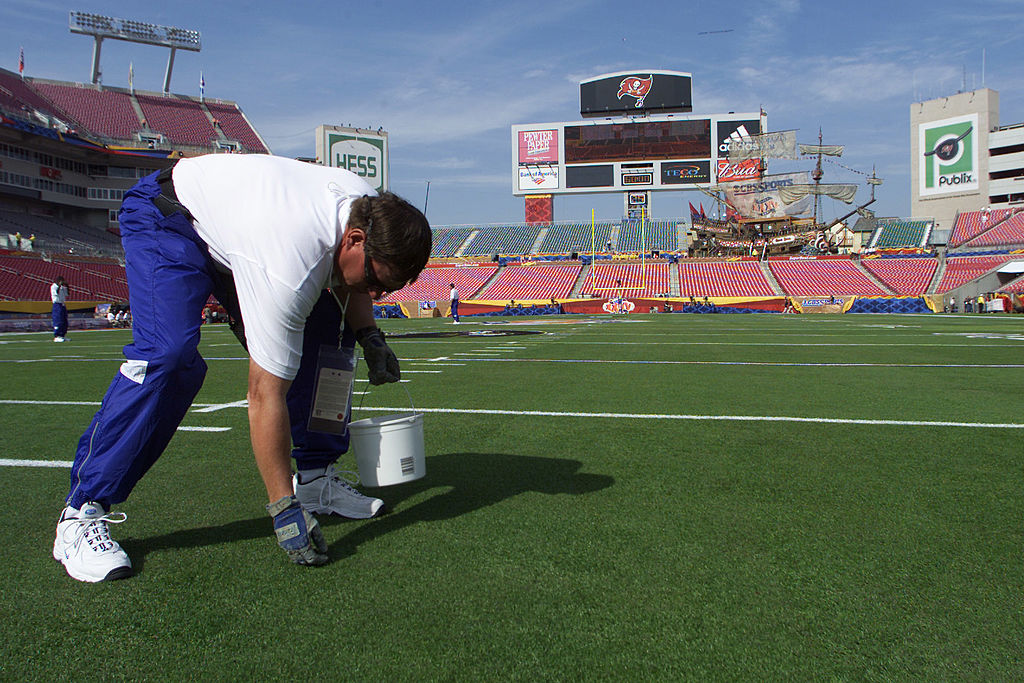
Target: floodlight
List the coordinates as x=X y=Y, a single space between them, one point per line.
x=100 y=26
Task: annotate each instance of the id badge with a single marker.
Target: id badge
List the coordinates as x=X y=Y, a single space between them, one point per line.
x=332 y=394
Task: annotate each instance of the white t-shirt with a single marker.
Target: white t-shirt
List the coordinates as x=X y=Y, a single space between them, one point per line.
x=453 y=294
x=58 y=293
x=275 y=223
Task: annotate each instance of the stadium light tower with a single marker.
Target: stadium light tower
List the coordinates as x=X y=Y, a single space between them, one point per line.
x=99 y=27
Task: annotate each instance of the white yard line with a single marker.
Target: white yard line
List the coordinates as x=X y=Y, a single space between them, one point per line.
x=712 y=418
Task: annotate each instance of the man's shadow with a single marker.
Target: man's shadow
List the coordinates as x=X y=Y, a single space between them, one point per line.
x=474 y=481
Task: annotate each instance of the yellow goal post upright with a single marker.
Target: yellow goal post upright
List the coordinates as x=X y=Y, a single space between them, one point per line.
x=643 y=258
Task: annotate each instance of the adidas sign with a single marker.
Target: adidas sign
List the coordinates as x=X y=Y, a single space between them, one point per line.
x=738 y=134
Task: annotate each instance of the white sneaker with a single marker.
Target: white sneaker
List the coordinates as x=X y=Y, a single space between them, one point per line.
x=83 y=545
x=333 y=494
x=58 y=339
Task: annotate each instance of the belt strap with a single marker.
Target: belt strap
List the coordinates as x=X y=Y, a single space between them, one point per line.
x=167 y=201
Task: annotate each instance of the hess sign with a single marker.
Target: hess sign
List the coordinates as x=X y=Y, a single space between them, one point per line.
x=362 y=153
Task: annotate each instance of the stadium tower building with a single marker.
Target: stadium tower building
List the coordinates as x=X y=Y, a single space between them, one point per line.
x=961 y=159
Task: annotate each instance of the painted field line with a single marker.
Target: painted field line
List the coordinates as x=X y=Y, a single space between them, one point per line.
x=8 y=462
x=16 y=402
x=706 y=418
x=431 y=364
x=744 y=362
x=26 y=402
x=221 y=406
x=204 y=429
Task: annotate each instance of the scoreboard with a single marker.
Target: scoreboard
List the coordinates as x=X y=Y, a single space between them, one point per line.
x=654 y=152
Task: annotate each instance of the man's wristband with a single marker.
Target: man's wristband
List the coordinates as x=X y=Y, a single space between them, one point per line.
x=279 y=506
x=364 y=332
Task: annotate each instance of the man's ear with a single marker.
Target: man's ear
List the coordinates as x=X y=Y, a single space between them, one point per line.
x=355 y=236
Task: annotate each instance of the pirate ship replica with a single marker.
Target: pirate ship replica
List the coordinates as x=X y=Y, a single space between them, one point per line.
x=765 y=215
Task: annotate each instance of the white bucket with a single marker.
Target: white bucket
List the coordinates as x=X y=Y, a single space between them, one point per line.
x=389 y=449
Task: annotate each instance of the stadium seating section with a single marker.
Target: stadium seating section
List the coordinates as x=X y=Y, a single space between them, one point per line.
x=731 y=278
x=107 y=112
x=506 y=239
x=17 y=96
x=447 y=241
x=647 y=236
x=970 y=224
x=235 y=126
x=111 y=114
x=28 y=278
x=650 y=279
x=1006 y=232
x=895 y=232
x=566 y=238
x=533 y=282
x=908 y=276
x=180 y=120
x=962 y=269
x=57 y=235
x=822 y=278
x=432 y=284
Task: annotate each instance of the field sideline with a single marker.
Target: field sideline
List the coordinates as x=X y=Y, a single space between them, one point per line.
x=658 y=497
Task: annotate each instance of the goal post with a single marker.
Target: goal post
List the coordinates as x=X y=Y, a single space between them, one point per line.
x=619 y=290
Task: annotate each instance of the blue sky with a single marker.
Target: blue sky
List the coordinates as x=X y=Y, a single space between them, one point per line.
x=448 y=80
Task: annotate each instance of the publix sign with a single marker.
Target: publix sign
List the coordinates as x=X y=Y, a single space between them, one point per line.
x=948 y=161
x=361 y=152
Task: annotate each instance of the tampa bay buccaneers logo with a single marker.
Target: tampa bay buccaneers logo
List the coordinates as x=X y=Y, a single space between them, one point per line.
x=636 y=87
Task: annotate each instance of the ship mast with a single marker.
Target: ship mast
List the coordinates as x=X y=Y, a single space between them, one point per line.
x=817 y=175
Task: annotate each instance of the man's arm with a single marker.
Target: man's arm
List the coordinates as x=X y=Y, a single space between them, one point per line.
x=270 y=430
x=359 y=313
x=381 y=361
x=296 y=530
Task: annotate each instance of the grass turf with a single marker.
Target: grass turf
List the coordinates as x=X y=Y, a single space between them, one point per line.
x=568 y=546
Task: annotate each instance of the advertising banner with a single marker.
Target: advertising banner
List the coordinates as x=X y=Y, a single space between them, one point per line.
x=361 y=152
x=538 y=145
x=761 y=198
x=948 y=161
x=538 y=177
x=735 y=130
x=685 y=172
x=738 y=171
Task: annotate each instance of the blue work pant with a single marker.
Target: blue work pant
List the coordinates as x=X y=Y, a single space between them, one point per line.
x=60 y=320
x=170 y=278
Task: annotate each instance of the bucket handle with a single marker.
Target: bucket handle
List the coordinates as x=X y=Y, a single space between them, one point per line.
x=363 y=397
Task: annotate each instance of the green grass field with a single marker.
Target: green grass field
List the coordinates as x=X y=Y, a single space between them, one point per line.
x=731 y=497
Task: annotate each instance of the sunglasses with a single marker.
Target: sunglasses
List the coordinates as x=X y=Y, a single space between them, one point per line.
x=373 y=282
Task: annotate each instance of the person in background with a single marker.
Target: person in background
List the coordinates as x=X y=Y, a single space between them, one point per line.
x=453 y=295
x=59 y=314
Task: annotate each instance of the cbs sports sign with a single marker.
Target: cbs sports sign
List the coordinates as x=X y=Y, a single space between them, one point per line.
x=948 y=161
x=362 y=152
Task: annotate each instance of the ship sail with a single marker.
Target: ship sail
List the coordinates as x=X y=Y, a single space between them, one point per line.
x=844 y=192
x=827 y=150
x=777 y=145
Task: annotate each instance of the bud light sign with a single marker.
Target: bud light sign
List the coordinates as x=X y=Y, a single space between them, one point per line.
x=748 y=169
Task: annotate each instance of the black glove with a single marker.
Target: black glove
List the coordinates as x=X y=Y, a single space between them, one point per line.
x=298 y=532
x=381 y=361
